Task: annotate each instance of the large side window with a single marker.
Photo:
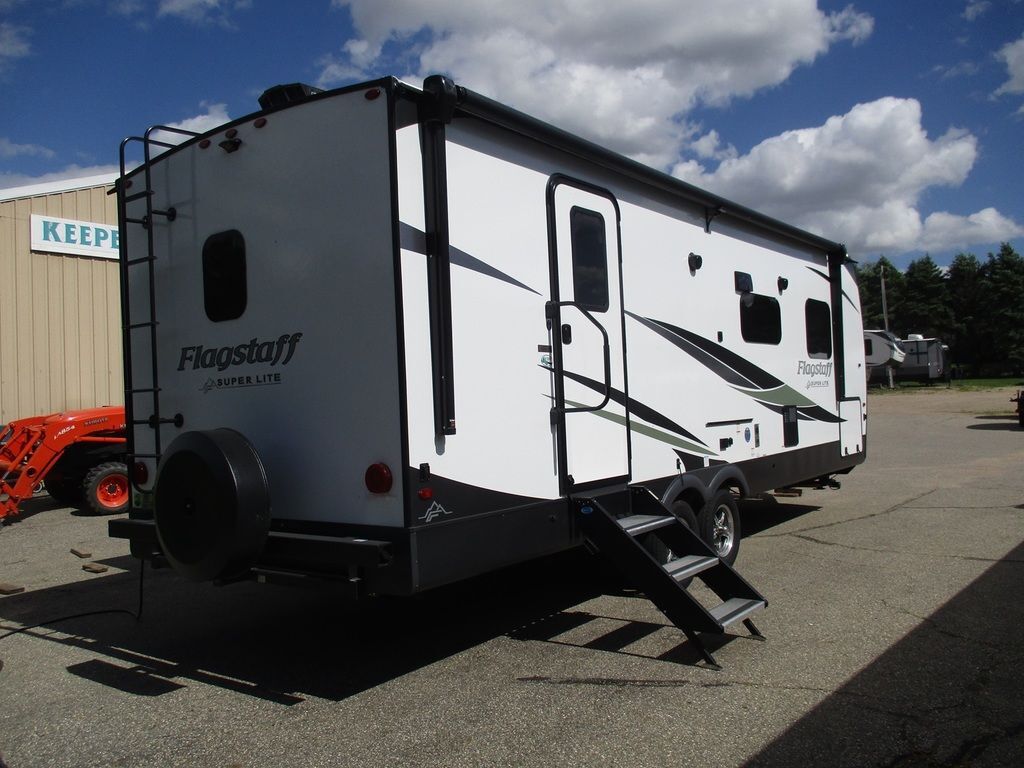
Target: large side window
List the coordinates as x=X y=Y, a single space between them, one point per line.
x=818 y=318
x=589 y=259
x=760 y=319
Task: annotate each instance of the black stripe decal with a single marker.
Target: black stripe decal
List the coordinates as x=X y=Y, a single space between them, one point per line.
x=638 y=409
x=416 y=241
x=728 y=365
x=826 y=277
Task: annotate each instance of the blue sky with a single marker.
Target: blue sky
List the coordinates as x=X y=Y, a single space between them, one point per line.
x=895 y=127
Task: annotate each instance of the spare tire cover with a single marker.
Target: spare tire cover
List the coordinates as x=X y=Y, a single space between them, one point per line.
x=211 y=504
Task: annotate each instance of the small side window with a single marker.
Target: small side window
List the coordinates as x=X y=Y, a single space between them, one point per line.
x=224 y=286
x=869 y=348
x=818 y=318
x=760 y=319
x=589 y=259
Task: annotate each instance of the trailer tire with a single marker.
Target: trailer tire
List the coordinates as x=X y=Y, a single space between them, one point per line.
x=211 y=504
x=657 y=548
x=718 y=523
x=106 y=489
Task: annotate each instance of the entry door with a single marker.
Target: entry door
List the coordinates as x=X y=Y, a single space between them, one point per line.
x=585 y=320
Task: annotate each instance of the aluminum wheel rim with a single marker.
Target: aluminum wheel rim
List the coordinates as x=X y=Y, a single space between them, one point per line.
x=723 y=530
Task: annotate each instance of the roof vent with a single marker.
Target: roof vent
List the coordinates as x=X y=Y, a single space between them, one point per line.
x=285 y=95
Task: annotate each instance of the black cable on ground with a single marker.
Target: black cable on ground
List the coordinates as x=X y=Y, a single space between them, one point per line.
x=137 y=615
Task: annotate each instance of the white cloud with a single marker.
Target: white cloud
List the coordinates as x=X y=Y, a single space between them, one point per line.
x=946 y=231
x=202 y=11
x=961 y=69
x=709 y=146
x=622 y=74
x=9 y=180
x=215 y=115
x=628 y=75
x=13 y=43
x=10 y=149
x=976 y=8
x=1012 y=55
x=858 y=179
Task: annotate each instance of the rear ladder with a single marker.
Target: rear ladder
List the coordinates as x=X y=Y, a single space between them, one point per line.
x=148 y=325
x=665 y=584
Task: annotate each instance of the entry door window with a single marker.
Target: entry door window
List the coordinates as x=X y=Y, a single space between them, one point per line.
x=589 y=259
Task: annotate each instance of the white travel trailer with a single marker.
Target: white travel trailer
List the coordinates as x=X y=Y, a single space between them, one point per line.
x=882 y=348
x=923 y=360
x=398 y=337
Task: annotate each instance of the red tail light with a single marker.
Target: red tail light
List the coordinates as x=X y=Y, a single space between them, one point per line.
x=378 y=478
x=140 y=473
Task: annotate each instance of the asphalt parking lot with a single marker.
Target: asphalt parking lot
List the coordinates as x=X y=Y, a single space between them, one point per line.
x=893 y=639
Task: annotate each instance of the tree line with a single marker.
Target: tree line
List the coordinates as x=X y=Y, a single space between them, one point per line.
x=976 y=307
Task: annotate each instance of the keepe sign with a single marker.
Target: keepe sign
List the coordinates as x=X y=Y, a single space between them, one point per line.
x=82 y=238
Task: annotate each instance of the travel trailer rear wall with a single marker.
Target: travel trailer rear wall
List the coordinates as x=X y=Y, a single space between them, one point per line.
x=400 y=337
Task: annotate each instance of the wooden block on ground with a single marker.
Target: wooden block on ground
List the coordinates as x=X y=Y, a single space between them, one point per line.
x=95 y=568
x=10 y=589
x=80 y=553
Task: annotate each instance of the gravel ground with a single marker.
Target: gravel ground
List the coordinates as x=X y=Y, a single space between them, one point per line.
x=892 y=640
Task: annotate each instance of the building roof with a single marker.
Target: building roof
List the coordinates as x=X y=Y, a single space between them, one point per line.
x=61 y=185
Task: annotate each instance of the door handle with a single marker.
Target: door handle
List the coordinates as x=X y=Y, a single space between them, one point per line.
x=567 y=334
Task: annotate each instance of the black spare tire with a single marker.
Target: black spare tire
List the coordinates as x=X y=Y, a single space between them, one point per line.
x=211 y=504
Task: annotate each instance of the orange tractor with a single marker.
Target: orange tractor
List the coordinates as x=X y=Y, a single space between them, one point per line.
x=77 y=456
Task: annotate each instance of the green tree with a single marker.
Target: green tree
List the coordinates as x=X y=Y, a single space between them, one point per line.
x=869 y=282
x=1003 y=291
x=964 y=282
x=925 y=305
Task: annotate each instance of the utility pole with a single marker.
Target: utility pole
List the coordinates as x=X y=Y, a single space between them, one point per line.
x=885 y=319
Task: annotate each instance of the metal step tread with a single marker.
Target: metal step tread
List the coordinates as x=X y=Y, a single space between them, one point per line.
x=635 y=525
x=689 y=565
x=734 y=609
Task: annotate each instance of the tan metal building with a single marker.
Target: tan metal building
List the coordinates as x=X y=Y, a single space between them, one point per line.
x=60 y=316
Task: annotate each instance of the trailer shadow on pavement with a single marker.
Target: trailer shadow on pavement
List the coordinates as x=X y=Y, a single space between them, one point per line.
x=948 y=694
x=281 y=644
x=766 y=512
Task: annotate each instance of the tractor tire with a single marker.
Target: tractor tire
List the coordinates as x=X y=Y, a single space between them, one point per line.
x=106 y=488
x=66 y=491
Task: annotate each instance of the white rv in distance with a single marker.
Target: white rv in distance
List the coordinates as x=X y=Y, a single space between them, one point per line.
x=881 y=349
x=400 y=337
x=926 y=360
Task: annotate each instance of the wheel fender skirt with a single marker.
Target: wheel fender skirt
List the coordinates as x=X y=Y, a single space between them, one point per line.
x=211 y=504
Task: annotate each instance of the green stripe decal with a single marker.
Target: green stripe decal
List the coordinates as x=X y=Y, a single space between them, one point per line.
x=784 y=395
x=648 y=431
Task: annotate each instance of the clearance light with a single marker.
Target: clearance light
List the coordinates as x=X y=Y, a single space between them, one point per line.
x=378 y=478
x=372 y=94
x=140 y=473
x=425 y=493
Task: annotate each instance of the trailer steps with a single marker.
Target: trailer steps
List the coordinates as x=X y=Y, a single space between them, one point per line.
x=621 y=538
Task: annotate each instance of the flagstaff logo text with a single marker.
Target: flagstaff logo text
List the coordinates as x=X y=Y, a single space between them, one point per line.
x=815 y=370
x=804 y=368
x=252 y=352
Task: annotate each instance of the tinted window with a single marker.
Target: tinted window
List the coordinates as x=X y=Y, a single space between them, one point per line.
x=589 y=260
x=819 y=328
x=224 y=287
x=760 y=319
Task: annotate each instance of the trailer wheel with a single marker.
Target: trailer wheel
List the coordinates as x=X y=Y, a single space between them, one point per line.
x=719 y=525
x=106 y=488
x=656 y=547
x=211 y=504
